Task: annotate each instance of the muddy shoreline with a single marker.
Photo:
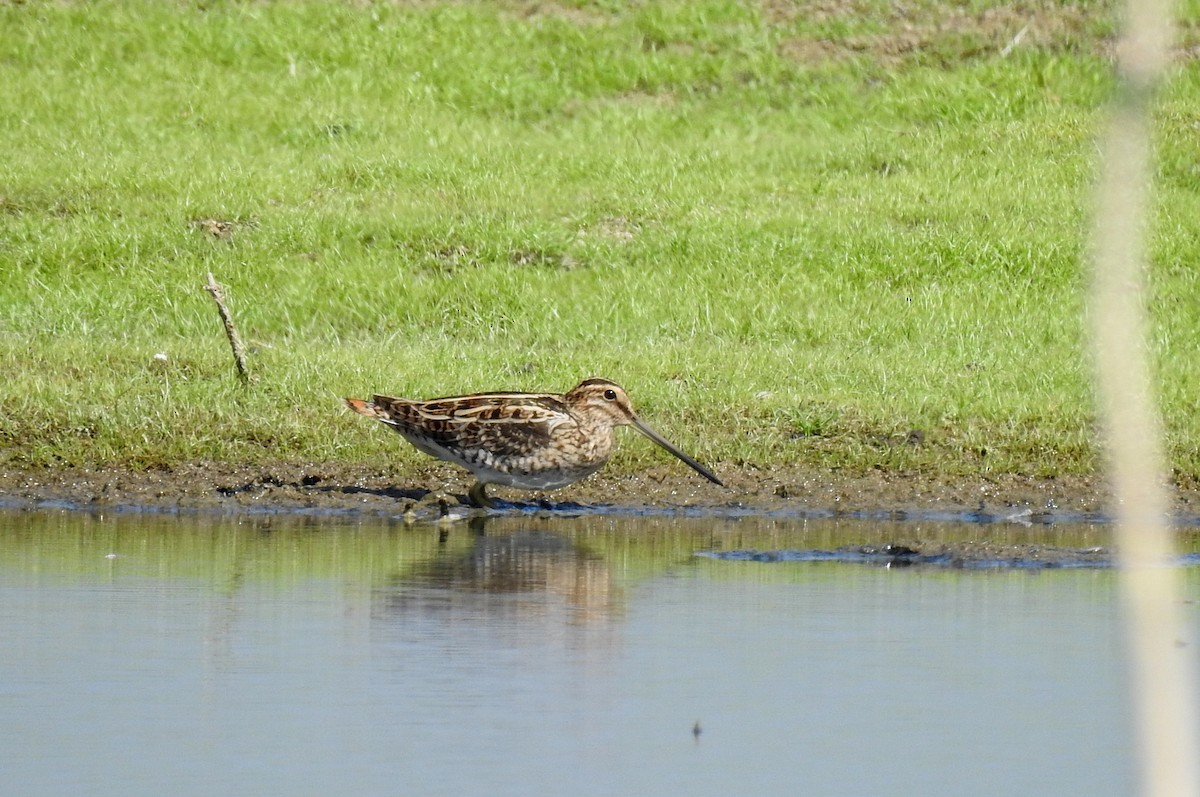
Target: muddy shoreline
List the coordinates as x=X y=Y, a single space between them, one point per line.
x=336 y=489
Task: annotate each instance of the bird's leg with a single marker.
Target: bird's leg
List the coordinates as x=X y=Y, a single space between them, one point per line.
x=437 y=501
x=479 y=497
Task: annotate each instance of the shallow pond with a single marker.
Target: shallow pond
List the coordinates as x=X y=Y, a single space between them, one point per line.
x=144 y=655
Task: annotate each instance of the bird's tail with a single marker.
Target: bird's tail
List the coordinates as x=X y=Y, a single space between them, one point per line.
x=362 y=407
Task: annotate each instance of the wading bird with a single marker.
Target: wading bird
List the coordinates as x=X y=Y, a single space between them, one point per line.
x=535 y=441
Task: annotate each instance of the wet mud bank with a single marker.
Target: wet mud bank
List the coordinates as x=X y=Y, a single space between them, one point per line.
x=437 y=490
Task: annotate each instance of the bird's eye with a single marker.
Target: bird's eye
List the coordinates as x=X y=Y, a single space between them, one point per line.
x=610 y=395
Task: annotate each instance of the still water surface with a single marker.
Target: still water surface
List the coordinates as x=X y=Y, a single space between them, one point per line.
x=151 y=656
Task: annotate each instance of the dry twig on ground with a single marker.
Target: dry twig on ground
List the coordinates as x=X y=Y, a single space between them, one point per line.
x=235 y=342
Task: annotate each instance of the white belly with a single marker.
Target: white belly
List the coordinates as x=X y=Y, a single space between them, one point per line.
x=527 y=473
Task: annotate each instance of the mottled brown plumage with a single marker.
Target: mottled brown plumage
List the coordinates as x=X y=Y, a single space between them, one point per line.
x=536 y=441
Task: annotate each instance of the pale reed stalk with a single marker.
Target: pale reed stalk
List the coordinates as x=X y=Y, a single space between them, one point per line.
x=1162 y=672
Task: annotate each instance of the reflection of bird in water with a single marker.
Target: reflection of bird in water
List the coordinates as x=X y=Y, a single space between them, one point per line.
x=524 y=564
x=535 y=441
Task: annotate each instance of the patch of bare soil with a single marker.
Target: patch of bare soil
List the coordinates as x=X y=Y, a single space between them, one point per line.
x=948 y=32
x=341 y=489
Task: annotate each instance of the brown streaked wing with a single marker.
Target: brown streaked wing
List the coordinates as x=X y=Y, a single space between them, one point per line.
x=511 y=439
x=498 y=408
x=506 y=424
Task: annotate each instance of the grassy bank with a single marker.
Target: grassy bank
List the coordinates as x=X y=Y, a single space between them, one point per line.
x=793 y=232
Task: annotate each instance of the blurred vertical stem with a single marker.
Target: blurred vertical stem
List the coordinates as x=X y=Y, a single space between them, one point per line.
x=1161 y=666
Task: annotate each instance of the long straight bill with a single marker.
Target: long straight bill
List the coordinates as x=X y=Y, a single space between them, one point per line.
x=656 y=437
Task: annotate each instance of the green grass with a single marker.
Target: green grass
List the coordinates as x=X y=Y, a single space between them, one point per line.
x=793 y=232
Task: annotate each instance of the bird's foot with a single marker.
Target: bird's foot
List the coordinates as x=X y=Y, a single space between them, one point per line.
x=479 y=497
x=436 y=503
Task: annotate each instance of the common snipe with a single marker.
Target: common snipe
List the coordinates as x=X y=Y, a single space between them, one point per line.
x=535 y=441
